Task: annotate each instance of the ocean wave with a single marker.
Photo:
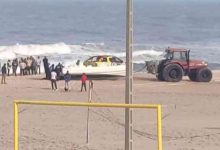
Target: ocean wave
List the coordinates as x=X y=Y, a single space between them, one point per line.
x=63 y=52
x=10 y=52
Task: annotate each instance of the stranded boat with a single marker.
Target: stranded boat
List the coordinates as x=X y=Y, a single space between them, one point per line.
x=105 y=65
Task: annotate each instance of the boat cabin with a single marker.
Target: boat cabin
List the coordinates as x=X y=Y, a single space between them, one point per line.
x=103 y=60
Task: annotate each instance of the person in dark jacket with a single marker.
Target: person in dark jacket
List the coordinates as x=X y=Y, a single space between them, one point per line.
x=15 y=66
x=4 y=72
x=46 y=67
x=67 y=78
x=59 y=70
x=9 y=66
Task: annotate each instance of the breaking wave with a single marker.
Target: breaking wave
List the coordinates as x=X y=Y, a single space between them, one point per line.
x=63 y=52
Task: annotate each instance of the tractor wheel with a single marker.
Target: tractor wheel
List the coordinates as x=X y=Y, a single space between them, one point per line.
x=204 y=75
x=173 y=73
x=160 y=76
x=192 y=75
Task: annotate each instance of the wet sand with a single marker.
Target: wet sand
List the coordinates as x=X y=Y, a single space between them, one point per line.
x=191 y=113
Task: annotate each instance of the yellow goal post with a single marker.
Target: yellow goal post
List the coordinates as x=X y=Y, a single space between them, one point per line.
x=62 y=103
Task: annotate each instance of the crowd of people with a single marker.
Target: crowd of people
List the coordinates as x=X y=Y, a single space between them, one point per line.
x=32 y=66
x=27 y=66
x=49 y=68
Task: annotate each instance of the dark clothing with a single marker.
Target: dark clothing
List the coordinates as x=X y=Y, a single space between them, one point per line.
x=51 y=68
x=46 y=68
x=67 y=77
x=83 y=85
x=22 y=72
x=34 y=67
x=9 y=67
x=53 y=84
x=59 y=70
x=45 y=61
x=3 y=81
x=14 y=66
x=4 y=72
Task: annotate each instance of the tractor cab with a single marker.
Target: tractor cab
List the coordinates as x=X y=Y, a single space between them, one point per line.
x=177 y=54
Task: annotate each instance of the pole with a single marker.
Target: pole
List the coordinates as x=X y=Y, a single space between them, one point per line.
x=129 y=75
x=159 y=128
x=89 y=101
x=15 y=126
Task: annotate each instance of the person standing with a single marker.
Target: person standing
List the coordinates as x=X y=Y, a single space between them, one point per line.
x=9 y=66
x=54 y=80
x=15 y=66
x=38 y=64
x=22 y=65
x=34 y=67
x=59 y=70
x=67 y=78
x=83 y=80
x=46 y=67
x=29 y=64
x=4 y=72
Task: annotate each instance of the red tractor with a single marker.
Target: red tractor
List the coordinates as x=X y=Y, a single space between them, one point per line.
x=177 y=64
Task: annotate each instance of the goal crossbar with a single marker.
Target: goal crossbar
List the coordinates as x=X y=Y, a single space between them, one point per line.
x=63 y=103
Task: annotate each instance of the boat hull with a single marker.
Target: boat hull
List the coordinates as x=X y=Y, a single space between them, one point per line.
x=118 y=70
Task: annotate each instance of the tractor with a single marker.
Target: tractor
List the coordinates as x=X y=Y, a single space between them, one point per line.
x=176 y=64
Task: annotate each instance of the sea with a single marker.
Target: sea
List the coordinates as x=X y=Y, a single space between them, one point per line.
x=67 y=30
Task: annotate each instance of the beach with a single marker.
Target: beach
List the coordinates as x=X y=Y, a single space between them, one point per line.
x=190 y=114
x=68 y=33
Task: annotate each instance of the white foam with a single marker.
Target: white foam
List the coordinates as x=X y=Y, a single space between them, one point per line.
x=148 y=52
x=61 y=52
x=10 y=52
x=7 y=55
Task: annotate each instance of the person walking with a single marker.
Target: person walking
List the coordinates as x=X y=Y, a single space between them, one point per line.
x=54 y=80
x=83 y=80
x=67 y=78
x=4 y=72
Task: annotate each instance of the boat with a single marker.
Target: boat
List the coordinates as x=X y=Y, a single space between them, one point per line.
x=100 y=65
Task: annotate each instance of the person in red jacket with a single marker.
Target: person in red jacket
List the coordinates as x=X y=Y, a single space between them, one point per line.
x=83 y=79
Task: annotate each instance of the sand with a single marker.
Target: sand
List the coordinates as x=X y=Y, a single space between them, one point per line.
x=191 y=113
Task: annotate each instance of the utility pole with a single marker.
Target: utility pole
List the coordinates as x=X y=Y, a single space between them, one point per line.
x=129 y=75
x=89 y=101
